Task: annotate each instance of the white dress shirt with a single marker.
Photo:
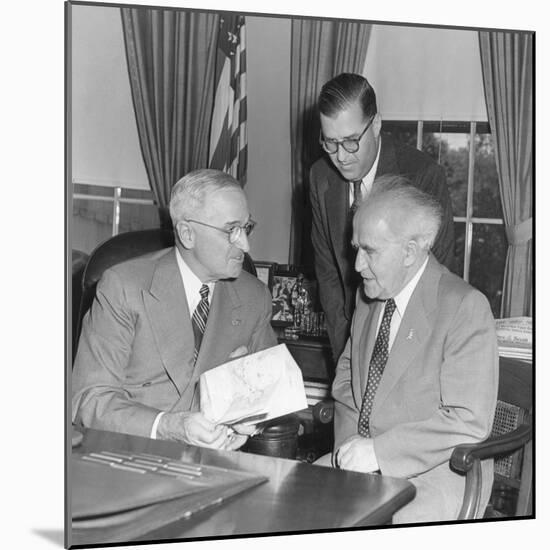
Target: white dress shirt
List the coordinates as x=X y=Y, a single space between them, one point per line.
x=192 y=285
x=367 y=181
x=401 y=302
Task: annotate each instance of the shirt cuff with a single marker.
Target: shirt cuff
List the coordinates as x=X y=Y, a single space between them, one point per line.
x=155 y=426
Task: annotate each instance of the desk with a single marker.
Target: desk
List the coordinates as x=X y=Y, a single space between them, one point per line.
x=297 y=497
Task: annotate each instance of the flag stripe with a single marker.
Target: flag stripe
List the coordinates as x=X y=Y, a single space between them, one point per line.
x=228 y=139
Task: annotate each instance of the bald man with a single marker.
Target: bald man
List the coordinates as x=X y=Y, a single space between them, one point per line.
x=419 y=373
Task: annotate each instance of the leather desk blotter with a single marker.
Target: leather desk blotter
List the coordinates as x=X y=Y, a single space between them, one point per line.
x=125 y=499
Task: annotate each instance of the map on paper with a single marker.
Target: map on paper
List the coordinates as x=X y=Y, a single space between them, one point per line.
x=253 y=388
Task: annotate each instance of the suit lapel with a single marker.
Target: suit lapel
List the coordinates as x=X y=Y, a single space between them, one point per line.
x=225 y=315
x=414 y=331
x=387 y=164
x=337 y=206
x=366 y=343
x=166 y=306
x=337 y=199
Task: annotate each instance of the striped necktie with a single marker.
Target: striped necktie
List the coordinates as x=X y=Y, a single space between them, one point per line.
x=378 y=362
x=200 y=316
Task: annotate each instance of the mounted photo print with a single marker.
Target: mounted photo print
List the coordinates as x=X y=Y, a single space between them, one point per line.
x=286 y=127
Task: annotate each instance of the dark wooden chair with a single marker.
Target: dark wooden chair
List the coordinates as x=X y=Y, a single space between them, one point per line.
x=118 y=249
x=510 y=444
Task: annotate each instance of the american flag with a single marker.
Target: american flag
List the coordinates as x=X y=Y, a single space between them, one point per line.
x=228 y=144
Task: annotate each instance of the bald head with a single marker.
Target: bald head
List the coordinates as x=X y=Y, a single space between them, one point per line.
x=393 y=231
x=406 y=211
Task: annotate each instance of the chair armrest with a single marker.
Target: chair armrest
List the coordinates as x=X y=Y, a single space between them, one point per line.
x=464 y=456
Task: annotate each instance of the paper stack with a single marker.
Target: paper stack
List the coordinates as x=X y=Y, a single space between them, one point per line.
x=253 y=388
x=514 y=337
x=112 y=503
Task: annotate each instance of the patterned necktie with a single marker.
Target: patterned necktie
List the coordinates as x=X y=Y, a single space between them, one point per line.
x=376 y=368
x=356 y=196
x=200 y=315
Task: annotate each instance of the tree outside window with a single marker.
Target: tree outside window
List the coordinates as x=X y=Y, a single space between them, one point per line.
x=480 y=241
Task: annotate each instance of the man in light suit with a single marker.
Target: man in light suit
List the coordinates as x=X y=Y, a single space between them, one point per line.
x=139 y=358
x=419 y=373
x=358 y=152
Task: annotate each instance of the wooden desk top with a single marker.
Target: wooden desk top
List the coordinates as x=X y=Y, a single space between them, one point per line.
x=297 y=497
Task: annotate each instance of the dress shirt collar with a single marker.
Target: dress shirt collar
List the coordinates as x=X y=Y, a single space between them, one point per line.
x=403 y=297
x=192 y=284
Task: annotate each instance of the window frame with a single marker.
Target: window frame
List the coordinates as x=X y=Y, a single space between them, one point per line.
x=117 y=198
x=446 y=127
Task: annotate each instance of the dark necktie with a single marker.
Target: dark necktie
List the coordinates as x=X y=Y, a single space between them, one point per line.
x=376 y=368
x=356 y=197
x=200 y=315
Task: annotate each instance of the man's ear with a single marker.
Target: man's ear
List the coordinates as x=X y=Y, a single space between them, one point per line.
x=186 y=235
x=412 y=250
x=377 y=125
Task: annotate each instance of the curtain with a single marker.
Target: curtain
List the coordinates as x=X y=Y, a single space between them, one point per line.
x=320 y=50
x=171 y=60
x=507 y=67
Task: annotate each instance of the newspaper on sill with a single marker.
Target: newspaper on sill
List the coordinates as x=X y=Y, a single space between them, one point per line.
x=515 y=331
x=515 y=338
x=253 y=388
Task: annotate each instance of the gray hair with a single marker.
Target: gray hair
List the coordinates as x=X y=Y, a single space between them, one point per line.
x=343 y=91
x=411 y=213
x=190 y=192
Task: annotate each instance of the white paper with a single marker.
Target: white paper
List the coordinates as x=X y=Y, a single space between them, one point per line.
x=253 y=388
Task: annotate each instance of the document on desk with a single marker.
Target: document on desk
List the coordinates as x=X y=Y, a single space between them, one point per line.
x=118 y=497
x=253 y=388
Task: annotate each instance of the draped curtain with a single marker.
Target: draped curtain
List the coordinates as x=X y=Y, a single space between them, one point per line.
x=507 y=67
x=171 y=62
x=320 y=50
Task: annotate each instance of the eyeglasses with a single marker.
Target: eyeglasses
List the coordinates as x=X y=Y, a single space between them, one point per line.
x=351 y=145
x=232 y=233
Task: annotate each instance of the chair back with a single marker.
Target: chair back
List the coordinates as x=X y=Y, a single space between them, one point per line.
x=514 y=409
x=120 y=248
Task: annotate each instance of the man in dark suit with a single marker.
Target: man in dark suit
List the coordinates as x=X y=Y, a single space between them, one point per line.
x=357 y=153
x=419 y=373
x=160 y=320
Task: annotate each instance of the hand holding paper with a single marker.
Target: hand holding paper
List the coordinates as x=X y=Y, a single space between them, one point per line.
x=192 y=428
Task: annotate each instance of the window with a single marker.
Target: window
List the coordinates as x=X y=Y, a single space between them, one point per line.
x=100 y=212
x=466 y=151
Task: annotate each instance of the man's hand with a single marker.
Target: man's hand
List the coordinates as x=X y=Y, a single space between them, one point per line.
x=238 y=434
x=195 y=429
x=192 y=428
x=234 y=441
x=244 y=429
x=356 y=453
